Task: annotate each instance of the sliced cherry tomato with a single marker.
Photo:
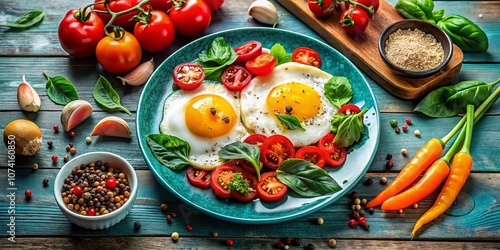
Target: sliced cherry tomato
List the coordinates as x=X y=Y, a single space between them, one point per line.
x=261 y=65
x=255 y=139
x=326 y=142
x=276 y=149
x=321 y=7
x=306 y=56
x=350 y=109
x=188 y=76
x=248 y=51
x=354 y=21
x=270 y=188
x=334 y=156
x=235 y=78
x=197 y=177
x=252 y=192
x=311 y=154
x=220 y=178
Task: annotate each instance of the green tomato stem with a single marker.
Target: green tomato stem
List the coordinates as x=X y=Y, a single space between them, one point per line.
x=114 y=15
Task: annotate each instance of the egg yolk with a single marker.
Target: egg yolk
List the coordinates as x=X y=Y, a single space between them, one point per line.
x=293 y=98
x=209 y=116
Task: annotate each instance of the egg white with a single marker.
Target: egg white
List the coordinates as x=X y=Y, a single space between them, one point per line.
x=255 y=115
x=203 y=150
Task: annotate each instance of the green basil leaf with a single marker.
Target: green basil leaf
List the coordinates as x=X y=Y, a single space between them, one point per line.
x=106 y=96
x=214 y=73
x=27 y=20
x=452 y=100
x=169 y=150
x=60 y=90
x=350 y=130
x=290 y=122
x=464 y=33
x=240 y=150
x=415 y=9
x=279 y=52
x=306 y=178
x=216 y=58
x=337 y=119
x=239 y=184
x=437 y=15
x=338 y=91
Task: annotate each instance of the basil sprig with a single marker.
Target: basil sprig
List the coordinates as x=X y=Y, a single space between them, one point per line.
x=60 y=90
x=290 y=122
x=27 y=20
x=106 y=96
x=338 y=91
x=350 y=129
x=279 y=52
x=169 y=150
x=216 y=58
x=240 y=150
x=306 y=179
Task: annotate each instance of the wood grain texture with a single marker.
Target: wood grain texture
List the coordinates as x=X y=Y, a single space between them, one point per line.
x=362 y=49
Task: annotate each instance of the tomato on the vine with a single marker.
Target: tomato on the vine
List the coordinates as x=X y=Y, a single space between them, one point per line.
x=236 y=77
x=190 y=17
x=79 y=32
x=247 y=51
x=354 y=21
x=214 y=4
x=124 y=20
x=321 y=7
x=311 y=154
x=252 y=191
x=367 y=3
x=197 y=177
x=188 y=76
x=119 y=56
x=261 y=65
x=163 y=5
x=221 y=177
x=306 y=56
x=155 y=31
x=276 y=149
x=270 y=188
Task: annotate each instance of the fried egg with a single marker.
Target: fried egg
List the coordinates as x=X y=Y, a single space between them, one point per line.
x=293 y=89
x=208 y=118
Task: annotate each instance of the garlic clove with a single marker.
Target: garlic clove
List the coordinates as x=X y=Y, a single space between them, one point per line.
x=27 y=97
x=139 y=75
x=112 y=126
x=264 y=12
x=74 y=113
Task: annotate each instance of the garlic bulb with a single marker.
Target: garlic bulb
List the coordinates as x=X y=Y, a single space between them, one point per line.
x=27 y=97
x=264 y=12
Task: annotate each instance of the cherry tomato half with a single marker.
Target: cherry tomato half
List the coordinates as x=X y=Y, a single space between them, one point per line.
x=306 y=56
x=276 y=149
x=350 y=109
x=197 y=177
x=321 y=7
x=119 y=56
x=235 y=78
x=247 y=51
x=190 y=17
x=354 y=21
x=255 y=139
x=261 y=65
x=188 y=76
x=334 y=156
x=78 y=37
x=311 y=154
x=252 y=192
x=220 y=177
x=157 y=34
x=270 y=188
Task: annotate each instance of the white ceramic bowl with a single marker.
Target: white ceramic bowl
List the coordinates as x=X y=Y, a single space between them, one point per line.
x=101 y=221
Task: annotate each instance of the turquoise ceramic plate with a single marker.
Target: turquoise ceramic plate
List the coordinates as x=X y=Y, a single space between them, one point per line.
x=149 y=115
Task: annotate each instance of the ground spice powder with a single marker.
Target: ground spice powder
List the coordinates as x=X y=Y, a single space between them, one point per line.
x=414 y=50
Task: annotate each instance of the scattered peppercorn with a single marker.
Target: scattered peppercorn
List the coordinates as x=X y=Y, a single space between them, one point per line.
x=169 y=218
x=371 y=210
x=332 y=242
x=229 y=243
x=404 y=151
x=137 y=225
x=405 y=128
x=310 y=246
x=50 y=144
x=320 y=221
x=355 y=215
x=189 y=228
x=397 y=130
x=45 y=182
x=287 y=240
x=35 y=166
x=363 y=201
x=357 y=207
x=296 y=241
x=56 y=128
x=389 y=164
x=174 y=214
x=383 y=180
x=71 y=134
x=286 y=247
x=163 y=207
x=55 y=158
x=393 y=123
x=416 y=132
x=28 y=193
x=408 y=121
x=400 y=211
x=175 y=236
x=361 y=221
x=68 y=147
x=72 y=151
x=357 y=201
x=88 y=139
x=353 y=195
x=362 y=213
x=280 y=245
x=351 y=223
x=366 y=226
x=66 y=158
x=368 y=182
x=388 y=157
x=215 y=234
x=415 y=205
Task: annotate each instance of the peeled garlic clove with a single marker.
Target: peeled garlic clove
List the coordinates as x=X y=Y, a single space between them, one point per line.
x=27 y=97
x=264 y=11
x=74 y=113
x=139 y=75
x=112 y=126
x=23 y=136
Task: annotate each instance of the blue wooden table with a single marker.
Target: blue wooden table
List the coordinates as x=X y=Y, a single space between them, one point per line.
x=40 y=223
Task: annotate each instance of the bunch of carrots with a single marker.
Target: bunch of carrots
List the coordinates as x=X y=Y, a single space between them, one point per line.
x=392 y=197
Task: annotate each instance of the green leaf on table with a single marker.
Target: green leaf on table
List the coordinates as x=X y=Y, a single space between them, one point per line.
x=290 y=122
x=350 y=130
x=279 y=52
x=306 y=179
x=240 y=150
x=106 y=96
x=60 y=90
x=169 y=150
x=27 y=20
x=338 y=91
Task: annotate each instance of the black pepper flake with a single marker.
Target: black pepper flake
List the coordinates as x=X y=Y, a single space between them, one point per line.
x=225 y=119
x=213 y=111
x=288 y=109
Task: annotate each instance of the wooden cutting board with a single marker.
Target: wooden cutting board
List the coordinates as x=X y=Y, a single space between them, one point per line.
x=362 y=50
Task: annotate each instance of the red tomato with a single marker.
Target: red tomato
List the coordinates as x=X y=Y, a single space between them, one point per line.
x=119 y=56
x=261 y=65
x=321 y=7
x=248 y=51
x=270 y=188
x=214 y=4
x=306 y=56
x=350 y=109
x=255 y=139
x=235 y=78
x=248 y=167
x=367 y=3
x=79 y=37
x=311 y=154
x=252 y=192
x=276 y=149
x=155 y=34
x=221 y=176
x=117 y=6
x=163 y=5
x=334 y=155
x=197 y=177
x=191 y=18
x=326 y=142
x=354 y=21
x=188 y=76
